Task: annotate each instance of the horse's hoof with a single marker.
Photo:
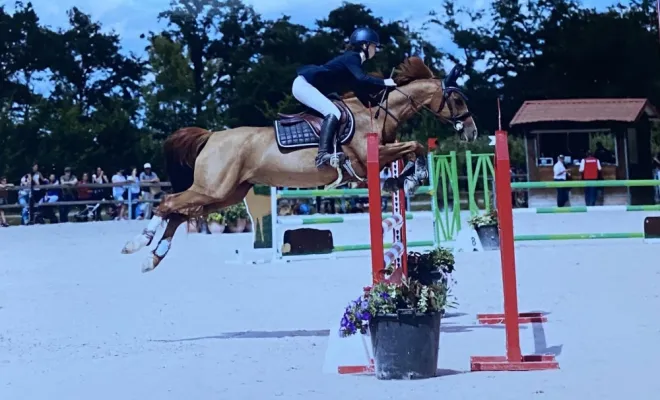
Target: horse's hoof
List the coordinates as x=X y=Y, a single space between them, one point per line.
x=150 y=263
x=135 y=244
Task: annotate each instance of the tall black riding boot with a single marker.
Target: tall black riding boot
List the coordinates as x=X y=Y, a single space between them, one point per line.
x=327 y=141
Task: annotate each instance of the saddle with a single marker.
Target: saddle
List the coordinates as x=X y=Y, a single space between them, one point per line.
x=301 y=130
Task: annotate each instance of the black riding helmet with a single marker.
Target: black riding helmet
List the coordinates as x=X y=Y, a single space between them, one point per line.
x=364 y=35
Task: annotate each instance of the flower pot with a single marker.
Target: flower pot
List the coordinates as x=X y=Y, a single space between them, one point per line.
x=216 y=227
x=406 y=345
x=489 y=235
x=238 y=226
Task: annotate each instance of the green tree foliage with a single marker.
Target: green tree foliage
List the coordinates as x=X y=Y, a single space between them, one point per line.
x=73 y=96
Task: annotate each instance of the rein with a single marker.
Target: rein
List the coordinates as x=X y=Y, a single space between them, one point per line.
x=455 y=119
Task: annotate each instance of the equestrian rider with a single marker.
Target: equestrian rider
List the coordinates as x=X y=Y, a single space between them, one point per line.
x=342 y=74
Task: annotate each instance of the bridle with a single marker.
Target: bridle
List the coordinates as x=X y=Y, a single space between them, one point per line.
x=447 y=89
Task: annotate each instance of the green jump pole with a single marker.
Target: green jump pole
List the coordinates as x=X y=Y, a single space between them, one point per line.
x=307 y=193
x=577 y=184
x=357 y=247
x=338 y=220
x=578 y=236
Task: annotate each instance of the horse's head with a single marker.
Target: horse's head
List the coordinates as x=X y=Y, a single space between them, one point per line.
x=442 y=97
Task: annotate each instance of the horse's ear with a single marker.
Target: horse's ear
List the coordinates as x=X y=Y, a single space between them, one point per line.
x=453 y=75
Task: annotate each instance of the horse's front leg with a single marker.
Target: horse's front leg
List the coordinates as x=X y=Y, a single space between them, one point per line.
x=413 y=173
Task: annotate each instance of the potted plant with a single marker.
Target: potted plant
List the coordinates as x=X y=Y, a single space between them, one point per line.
x=403 y=318
x=487 y=227
x=216 y=222
x=236 y=217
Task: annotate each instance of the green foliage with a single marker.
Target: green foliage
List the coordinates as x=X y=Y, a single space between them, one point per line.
x=235 y=212
x=73 y=97
x=425 y=290
x=487 y=218
x=216 y=217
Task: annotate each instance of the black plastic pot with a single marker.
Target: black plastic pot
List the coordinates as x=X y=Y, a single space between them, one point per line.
x=489 y=235
x=405 y=345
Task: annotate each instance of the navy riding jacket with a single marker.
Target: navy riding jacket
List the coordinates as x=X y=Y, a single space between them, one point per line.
x=342 y=74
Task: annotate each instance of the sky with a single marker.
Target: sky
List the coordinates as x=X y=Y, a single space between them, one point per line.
x=130 y=18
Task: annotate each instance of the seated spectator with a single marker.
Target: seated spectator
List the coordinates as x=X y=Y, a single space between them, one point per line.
x=52 y=194
x=84 y=193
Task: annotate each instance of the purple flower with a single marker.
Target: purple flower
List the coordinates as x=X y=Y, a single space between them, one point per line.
x=384 y=296
x=366 y=316
x=344 y=322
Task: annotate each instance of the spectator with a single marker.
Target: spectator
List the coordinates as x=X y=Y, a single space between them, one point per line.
x=590 y=170
x=37 y=179
x=560 y=174
x=24 y=198
x=84 y=193
x=99 y=193
x=118 y=193
x=52 y=194
x=134 y=190
x=4 y=195
x=154 y=192
x=67 y=180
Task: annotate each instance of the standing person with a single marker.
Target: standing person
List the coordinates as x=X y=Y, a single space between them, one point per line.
x=118 y=193
x=4 y=196
x=67 y=181
x=152 y=192
x=342 y=74
x=560 y=173
x=590 y=169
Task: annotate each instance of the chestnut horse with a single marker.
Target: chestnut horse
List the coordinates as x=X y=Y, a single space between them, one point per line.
x=213 y=170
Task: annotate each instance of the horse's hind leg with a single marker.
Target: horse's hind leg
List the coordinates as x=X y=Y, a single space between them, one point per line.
x=176 y=209
x=205 y=203
x=147 y=235
x=164 y=243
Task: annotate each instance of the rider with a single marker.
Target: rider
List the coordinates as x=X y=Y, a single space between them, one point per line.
x=340 y=75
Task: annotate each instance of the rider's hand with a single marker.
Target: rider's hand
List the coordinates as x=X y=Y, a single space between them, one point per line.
x=390 y=82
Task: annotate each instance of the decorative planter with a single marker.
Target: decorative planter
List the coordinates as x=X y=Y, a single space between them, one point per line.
x=489 y=235
x=238 y=226
x=405 y=345
x=215 y=227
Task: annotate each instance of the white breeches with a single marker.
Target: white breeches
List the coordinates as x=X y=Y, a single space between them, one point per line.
x=310 y=96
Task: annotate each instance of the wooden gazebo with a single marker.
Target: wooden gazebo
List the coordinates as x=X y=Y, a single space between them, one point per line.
x=617 y=130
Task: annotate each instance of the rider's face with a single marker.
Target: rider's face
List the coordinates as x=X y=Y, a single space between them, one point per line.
x=371 y=50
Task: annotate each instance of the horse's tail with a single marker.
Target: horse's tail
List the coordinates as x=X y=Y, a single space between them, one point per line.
x=181 y=150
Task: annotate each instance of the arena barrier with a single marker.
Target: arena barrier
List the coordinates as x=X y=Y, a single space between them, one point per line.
x=514 y=360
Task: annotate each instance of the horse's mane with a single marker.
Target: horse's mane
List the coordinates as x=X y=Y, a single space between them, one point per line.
x=411 y=69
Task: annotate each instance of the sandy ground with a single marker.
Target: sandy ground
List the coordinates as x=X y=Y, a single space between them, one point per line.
x=79 y=321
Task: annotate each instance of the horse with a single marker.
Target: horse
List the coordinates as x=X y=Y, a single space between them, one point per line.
x=212 y=170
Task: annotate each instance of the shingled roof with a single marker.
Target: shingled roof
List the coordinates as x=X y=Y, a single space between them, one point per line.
x=583 y=110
